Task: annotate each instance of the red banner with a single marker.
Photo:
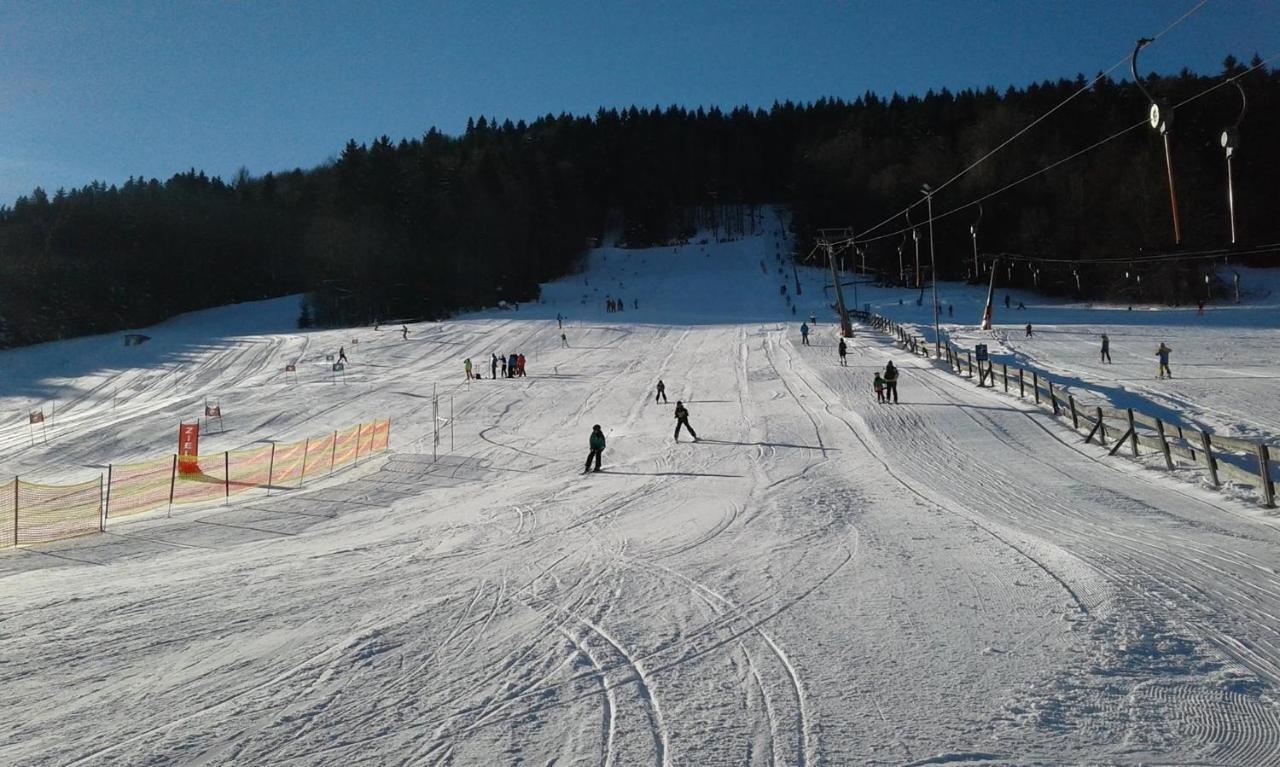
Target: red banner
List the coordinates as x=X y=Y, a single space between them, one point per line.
x=188 y=448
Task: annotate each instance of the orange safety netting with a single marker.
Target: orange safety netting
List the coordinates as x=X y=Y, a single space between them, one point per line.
x=51 y=512
x=34 y=513
x=207 y=484
x=348 y=440
x=286 y=468
x=319 y=455
x=7 y=522
x=139 y=487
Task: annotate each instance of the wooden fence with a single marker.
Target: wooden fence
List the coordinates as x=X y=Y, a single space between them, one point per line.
x=1247 y=462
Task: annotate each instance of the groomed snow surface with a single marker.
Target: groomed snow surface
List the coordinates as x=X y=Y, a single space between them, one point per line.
x=821 y=580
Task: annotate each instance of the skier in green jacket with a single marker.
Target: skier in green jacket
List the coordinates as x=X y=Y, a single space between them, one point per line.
x=597 y=447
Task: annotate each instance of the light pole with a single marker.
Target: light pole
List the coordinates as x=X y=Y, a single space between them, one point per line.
x=1230 y=139
x=973 y=232
x=927 y=191
x=902 y=278
x=1160 y=115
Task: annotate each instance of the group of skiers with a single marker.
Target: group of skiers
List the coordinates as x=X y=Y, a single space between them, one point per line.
x=612 y=305
x=512 y=366
x=596 y=443
x=886 y=386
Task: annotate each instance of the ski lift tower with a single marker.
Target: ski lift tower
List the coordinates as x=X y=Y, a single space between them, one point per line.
x=833 y=241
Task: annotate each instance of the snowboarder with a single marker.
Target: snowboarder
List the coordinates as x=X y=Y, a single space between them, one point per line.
x=890 y=383
x=597 y=447
x=878 y=385
x=804 y=334
x=404 y=332
x=682 y=419
x=466 y=364
x=843 y=349
x=1029 y=333
x=662 y=392
x=493 y=365
x=342 y=354
x=1106 y=349
x=1163 y=354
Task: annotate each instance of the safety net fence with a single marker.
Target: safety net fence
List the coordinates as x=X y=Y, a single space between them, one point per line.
x=37 y=513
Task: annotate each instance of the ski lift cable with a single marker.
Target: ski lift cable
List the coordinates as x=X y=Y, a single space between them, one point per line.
x=1038 y=120
x=1203 y=255
x=1074 y=155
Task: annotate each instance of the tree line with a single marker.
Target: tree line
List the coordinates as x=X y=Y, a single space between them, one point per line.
x=423 y=227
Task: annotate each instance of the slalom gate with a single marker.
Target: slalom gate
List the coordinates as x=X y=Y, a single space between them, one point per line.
x=1242 y=461
x=36 y=513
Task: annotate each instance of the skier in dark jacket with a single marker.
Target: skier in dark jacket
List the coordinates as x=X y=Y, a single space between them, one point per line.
x=597 y=447
x=512 y=362
x=843 y=351
x=682 y=419
x=890 y=383
x=1106 y=348
x=804 y=334
x=662 y=391
x=493 y=366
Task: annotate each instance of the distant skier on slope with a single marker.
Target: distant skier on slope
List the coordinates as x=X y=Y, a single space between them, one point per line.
x=466 y=364
x=891 y=383
x=404 y=332
x=682 y=419
x=804 y=334
x=843 y=349
x=1163 y=354
x=342 y=354
x=662 y=392
x=1029 y=331
x=1106 y=349
x=597 y=447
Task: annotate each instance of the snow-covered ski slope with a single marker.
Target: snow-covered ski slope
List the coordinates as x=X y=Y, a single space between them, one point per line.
x=821 y=580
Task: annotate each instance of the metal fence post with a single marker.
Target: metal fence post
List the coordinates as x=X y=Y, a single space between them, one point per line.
x=106 y=507
x=333 y=454
x=226 y=477
x=1209 y=460
x=1264 y=473
x=173 y=481
x=102 y=520
x=306 y=448
x=359 y=439
x=15 y=511
x=271 y=468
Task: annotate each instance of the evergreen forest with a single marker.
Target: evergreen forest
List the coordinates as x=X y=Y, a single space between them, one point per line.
x=424 y=227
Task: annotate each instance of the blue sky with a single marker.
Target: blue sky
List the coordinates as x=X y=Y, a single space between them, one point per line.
x=105 y=90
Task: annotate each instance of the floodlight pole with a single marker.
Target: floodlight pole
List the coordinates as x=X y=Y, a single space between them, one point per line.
x=933 y=268
x=902 y=277
x=973 y=232
x=1230 y=139
x=1160 y=116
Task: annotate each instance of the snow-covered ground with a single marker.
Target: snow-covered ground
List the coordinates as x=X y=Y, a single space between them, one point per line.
x=821 y=580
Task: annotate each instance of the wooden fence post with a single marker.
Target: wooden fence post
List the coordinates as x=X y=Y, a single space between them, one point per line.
x=333 y=455
x=1053 y=398
x=1102 y=429
x=969 y=355
x=1022 y=386
x=106 y=507
x=1035 y=385
x=1209 y=460
x=1264 y=474
x=1133 y=434
x=1004 y=367
x=1075 y=416
x=1164 y=445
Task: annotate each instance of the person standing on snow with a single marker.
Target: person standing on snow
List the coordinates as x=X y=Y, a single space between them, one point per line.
x=342 y=354
x=504 y=365
x=559 y=320
x=804 y=334
x=564 y=341
x=597 y=447
x=466 y=364
x=843 y=349
x=878 y=385
x=1029 y=333
x=1106 y=349
x=520 y=364
x=891 y=383
x=493 y=365
x=1163 y=354
x=511 y=366
x=682 y=419
x=662 y=392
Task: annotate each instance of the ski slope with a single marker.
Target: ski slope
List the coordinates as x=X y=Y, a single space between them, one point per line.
x=821 y=580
